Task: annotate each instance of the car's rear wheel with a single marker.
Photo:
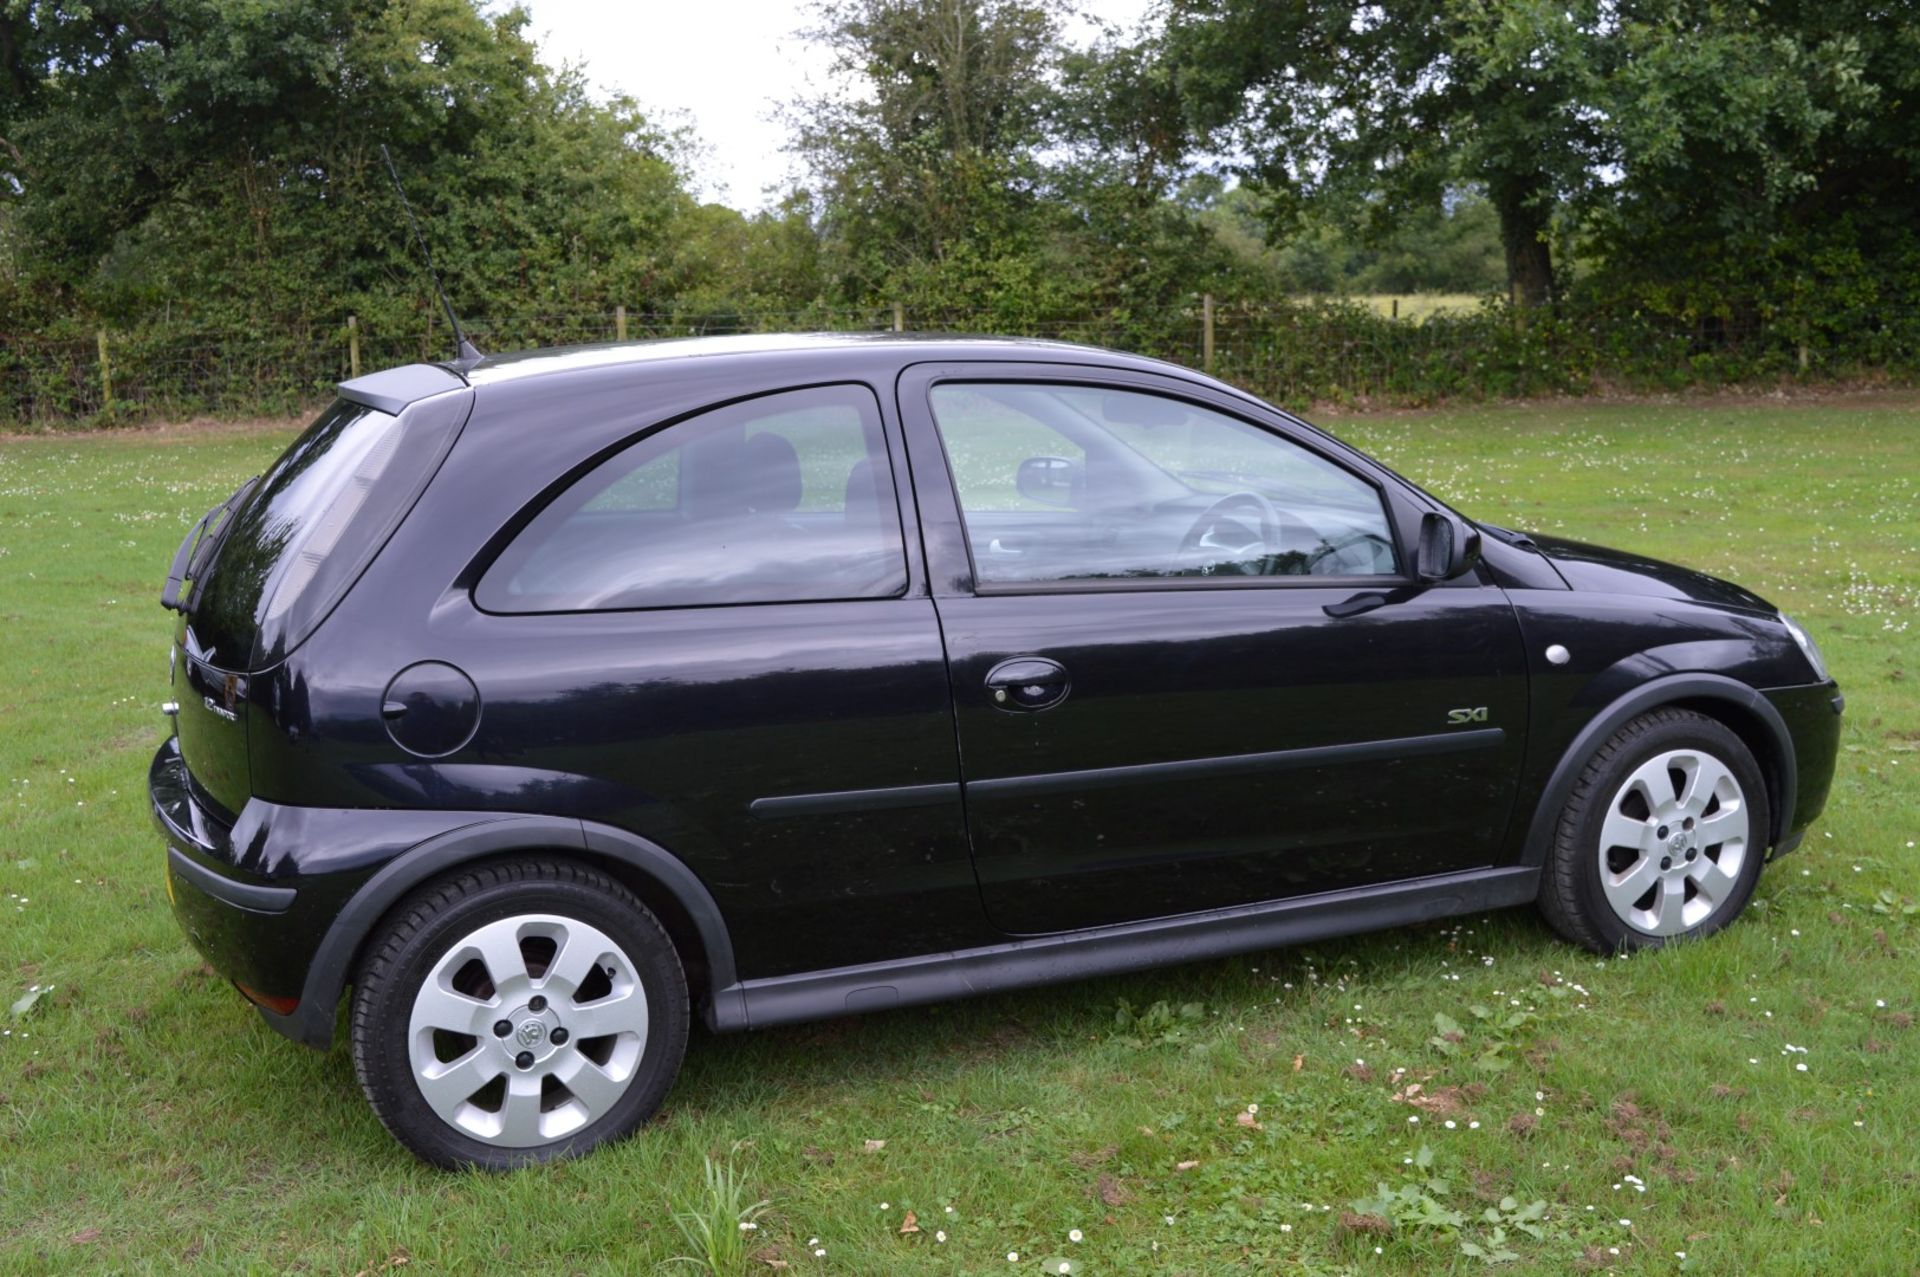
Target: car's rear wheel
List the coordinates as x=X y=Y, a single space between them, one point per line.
x=1662 y=838
x=516 y=1013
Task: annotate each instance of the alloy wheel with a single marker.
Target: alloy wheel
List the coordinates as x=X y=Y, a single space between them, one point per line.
x=527 y=1029
x=1673 y=843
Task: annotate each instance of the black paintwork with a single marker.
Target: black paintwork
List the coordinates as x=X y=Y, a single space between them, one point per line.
x=1600 y=570
x=825 y=801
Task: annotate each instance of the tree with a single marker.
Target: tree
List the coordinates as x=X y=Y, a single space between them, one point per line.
x=929 y=169
x=740 y=265
x=975 y=166
x=1121 y=178
x=1450 y=248
x=1708 y=157
x=232 y=169
x=1769 y=163
x=1377 y=111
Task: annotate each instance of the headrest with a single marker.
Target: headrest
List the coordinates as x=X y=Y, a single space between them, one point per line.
x=770 y=475
x=863 y=492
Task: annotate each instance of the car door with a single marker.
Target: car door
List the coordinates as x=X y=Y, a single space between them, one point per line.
x=714 y=637
x=1190 y=665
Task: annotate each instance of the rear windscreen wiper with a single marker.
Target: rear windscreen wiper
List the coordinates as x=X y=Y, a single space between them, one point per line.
x=187 y=565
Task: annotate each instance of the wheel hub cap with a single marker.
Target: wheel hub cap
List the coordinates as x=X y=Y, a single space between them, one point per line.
x=533 y=1032
x=527 y=1029
x=1673 y=842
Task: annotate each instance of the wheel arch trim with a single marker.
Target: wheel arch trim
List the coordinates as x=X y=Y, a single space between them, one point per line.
x=1699 y=690
x=312 y=1020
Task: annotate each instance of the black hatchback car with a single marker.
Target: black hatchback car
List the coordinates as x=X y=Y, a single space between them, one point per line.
x=552 y=699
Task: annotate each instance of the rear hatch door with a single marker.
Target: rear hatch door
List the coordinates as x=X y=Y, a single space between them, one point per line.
x=212 y=726
x=257 y=576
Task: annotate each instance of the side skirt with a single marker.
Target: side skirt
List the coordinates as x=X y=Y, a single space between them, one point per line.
x=1133 y=946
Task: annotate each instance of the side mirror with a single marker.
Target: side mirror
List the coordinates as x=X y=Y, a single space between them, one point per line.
x=1051 y=481
x=1449 y=547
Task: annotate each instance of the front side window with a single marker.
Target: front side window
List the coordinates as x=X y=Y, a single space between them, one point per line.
x=781 y=499
x=1065 y=483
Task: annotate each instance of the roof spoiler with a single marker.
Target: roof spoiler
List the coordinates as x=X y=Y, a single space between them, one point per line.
x=391 y=389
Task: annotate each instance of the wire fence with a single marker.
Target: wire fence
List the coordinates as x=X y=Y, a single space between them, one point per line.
x=1288 y=351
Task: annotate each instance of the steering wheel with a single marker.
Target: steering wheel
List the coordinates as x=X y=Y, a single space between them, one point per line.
x=1329 y=551
x=1226 y=533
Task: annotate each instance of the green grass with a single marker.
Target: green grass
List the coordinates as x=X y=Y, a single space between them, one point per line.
x=148 y=1120
x=1413 y=307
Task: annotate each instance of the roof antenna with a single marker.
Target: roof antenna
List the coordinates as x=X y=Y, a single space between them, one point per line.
x=467 y=356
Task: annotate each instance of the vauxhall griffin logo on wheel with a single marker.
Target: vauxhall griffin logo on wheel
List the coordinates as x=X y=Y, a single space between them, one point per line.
x=564 y=696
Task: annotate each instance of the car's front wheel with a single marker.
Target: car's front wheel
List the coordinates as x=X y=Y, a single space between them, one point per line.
x=518 y=1012
x=1662 y=838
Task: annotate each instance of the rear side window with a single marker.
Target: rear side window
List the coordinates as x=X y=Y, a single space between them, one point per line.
x=782 y=499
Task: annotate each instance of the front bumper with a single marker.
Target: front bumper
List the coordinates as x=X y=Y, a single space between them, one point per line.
x=1812 y=715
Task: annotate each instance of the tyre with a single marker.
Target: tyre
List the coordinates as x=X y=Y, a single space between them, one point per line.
x=1662 y=839
x=516 y=1013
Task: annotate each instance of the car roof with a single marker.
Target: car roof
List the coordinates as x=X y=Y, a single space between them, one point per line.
x=392 y=389
x=907 y=347
x=864 y=355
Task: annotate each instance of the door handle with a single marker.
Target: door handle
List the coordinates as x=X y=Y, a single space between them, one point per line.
x=1358 y=604
x=1367 y=600
x=1028 y=683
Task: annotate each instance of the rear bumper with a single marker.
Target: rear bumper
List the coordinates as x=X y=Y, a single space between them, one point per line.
x=254 y=931
x=266 y=900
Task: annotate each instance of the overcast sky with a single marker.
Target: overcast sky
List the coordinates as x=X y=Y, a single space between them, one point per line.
x=723 y=66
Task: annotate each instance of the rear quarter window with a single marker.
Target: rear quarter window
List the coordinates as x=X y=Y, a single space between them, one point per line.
x=786 y=498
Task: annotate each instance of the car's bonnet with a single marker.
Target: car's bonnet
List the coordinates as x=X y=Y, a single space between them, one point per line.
x=1602 y=569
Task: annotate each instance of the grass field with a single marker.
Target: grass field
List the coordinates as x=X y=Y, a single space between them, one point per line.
x=1745 y=1105
x=1415 y=307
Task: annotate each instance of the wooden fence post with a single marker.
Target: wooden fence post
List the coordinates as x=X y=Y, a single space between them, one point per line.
x=353 y=345
x=899 y=318
x=1396 y=308
x=619 y=323
x=1206 y=333
x=106 y=375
